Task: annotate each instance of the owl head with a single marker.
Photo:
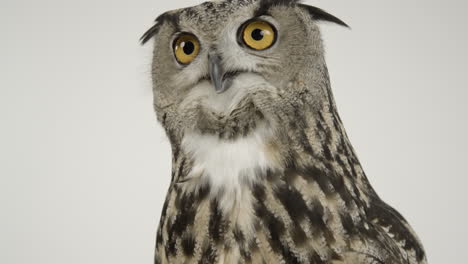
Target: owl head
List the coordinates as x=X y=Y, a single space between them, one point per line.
x=226 y=67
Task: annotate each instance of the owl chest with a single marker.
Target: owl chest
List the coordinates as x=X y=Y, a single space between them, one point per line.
x=230 y=167
x=227 y=169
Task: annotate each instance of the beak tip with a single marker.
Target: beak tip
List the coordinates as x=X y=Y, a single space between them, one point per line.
x=219 y=88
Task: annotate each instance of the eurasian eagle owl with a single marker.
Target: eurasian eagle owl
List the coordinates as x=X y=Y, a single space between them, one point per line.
x=263 y=171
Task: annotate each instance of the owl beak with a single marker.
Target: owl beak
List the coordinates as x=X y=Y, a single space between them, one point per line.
x=217 y=74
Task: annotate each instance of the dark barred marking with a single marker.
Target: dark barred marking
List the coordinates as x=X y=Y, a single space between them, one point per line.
x=316 y=259
x=208 y=256
x=171 y=246
x=238 y=236
x=292 y=202
x=316 y=217
x=217 y=223
x=274 y=225
x=289 y=256
x=348 y=224
x=247 y=250
x=298 y=235
x=258 y=192
x=188 y=244
x=314 y=174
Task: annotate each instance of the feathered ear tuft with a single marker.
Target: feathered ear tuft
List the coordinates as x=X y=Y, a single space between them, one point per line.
x=319 y=14
x=150 y=33
x=159 y=21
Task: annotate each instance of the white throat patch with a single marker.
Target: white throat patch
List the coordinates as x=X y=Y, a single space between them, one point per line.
x=228 y=165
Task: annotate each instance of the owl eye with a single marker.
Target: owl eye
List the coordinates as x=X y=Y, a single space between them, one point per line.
x=258 y=34
x=186 y=48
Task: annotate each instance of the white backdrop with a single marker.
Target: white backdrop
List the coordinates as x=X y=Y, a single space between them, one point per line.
x=84 y=167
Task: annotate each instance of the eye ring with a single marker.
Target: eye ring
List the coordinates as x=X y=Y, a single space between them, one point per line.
x=257 y=34
x=186 y=47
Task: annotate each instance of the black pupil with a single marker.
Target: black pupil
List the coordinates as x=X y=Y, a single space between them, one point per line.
x=257 y=34
x=188 y=47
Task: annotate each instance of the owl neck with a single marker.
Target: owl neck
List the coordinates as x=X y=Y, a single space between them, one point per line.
x=312 y=144
x=320 y=151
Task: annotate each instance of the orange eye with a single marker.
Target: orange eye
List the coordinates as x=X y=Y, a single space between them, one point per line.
x=259 y=35
x=186 y=48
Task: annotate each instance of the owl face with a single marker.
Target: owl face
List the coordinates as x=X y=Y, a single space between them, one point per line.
x=224 y=67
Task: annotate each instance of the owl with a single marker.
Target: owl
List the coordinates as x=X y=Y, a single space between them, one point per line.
x=262 y=168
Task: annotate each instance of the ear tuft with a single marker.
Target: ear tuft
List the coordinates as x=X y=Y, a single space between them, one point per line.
x=319 y=14
x=159 y=21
